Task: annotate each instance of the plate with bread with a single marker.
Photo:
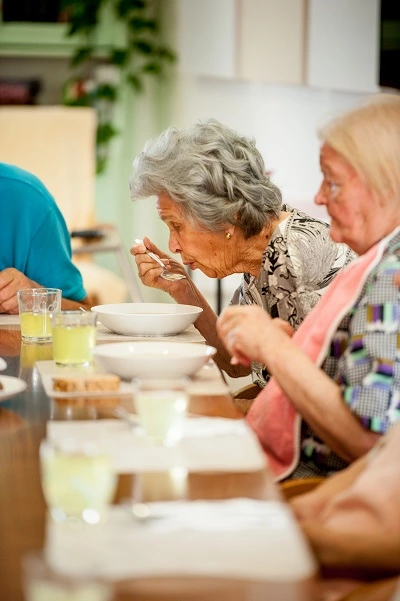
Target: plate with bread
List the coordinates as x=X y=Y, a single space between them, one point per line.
x=10 y=386
x=92 y=384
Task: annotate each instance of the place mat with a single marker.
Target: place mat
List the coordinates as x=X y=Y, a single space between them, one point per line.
x=11 y=321
x=208 y=443
x=208 y=380
x=106 y=335
x=236 y=538
x=188 y=335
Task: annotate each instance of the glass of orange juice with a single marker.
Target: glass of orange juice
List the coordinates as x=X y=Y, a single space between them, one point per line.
x=36 y=305
x=74 y=337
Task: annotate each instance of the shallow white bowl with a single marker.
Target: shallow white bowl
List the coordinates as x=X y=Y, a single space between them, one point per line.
x=147 y=319
x=160 y=359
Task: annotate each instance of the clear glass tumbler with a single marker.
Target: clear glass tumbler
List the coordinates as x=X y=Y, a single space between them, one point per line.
x=161 y=405
x=78 y=481
x=74 y=337
x=36 y=306
x=42 y=582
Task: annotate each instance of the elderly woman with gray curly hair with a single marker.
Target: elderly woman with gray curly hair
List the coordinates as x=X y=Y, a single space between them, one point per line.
x=226 y=216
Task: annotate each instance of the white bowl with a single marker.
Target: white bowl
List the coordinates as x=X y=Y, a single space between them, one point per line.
x=131 y=359
x=147 y=319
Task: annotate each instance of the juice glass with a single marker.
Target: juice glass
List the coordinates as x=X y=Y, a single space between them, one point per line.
x=74 y=337
x=36 y=305
x=161 y=405
x=78 y=481
x=42 y=582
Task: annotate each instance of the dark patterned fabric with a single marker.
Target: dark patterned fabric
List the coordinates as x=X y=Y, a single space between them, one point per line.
x=364 y=359
x=298 y=265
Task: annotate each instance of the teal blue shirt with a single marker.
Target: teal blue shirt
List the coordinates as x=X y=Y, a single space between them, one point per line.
x=33 y=234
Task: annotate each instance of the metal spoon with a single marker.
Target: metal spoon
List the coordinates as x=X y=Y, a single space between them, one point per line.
x=167 y=275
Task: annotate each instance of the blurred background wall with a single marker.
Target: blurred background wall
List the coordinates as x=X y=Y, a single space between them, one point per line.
x=273 y=70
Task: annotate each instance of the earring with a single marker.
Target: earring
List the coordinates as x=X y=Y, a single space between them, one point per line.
x=228 y=235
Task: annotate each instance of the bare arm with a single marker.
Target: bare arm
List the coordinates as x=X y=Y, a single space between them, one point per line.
x=378 y=551
x=12 y=280
x=250 y=332
x=309 y=505
x=185 y=292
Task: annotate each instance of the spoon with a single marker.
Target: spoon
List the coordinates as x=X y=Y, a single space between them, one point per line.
x=167 y=275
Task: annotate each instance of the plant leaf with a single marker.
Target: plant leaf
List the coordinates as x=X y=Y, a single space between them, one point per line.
x=81 y=54
x=119 y=57
x=135 y=81
x=143 y=46
x=107 y=92
x=105 y=132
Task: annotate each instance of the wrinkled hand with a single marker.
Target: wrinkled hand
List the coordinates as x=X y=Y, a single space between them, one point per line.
x=12 y=280
x=243 y=330
x=149 y=271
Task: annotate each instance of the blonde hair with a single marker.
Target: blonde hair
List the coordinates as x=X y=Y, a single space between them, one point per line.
x=368 y=138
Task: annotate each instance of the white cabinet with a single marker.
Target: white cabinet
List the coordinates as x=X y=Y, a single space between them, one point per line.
x=207 y=37
x=270 y=40
x=258 y=40
x=321 y=43
x=343 y=44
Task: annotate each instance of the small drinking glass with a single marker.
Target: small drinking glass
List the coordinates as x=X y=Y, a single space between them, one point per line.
x=36 y=305
x=78 y=481
x=153 y=487
x=42 y=582
x=74 y=337
x=161 y=405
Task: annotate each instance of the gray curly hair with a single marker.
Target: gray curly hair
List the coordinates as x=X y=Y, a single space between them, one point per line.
x=217 y=176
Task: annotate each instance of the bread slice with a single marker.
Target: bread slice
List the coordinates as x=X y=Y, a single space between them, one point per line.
x=92 y=383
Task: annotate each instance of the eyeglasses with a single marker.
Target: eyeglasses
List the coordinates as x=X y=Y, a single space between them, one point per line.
x=330 y=189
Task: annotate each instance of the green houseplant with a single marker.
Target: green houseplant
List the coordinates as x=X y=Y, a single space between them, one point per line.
x=135 y=53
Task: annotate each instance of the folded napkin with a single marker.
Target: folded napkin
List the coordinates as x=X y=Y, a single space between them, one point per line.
x=208 y=443
x=236 y=538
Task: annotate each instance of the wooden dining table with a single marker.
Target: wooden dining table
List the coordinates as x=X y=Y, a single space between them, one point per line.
x=23 y=511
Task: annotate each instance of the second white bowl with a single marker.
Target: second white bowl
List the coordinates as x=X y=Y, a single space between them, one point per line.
x=160 y=359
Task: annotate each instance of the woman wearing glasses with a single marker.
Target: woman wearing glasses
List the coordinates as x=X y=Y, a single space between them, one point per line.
x=336 y=384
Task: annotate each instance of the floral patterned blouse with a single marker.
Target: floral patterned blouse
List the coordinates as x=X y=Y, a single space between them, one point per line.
x=298 y=265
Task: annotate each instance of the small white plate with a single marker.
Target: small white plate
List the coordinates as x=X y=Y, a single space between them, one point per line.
x=125 y=389
x=11 y=387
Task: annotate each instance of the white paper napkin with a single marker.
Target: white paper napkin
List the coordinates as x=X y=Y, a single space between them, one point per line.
x=209 y=443
x=237 y=538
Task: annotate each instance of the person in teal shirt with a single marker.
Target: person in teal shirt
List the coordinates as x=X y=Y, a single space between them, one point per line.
x=35 y=247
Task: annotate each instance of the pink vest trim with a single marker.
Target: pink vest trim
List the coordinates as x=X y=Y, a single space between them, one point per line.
x=272 y=416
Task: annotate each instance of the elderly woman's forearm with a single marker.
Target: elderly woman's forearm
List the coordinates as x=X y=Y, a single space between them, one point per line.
x=376 y=551
x=317 y=398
